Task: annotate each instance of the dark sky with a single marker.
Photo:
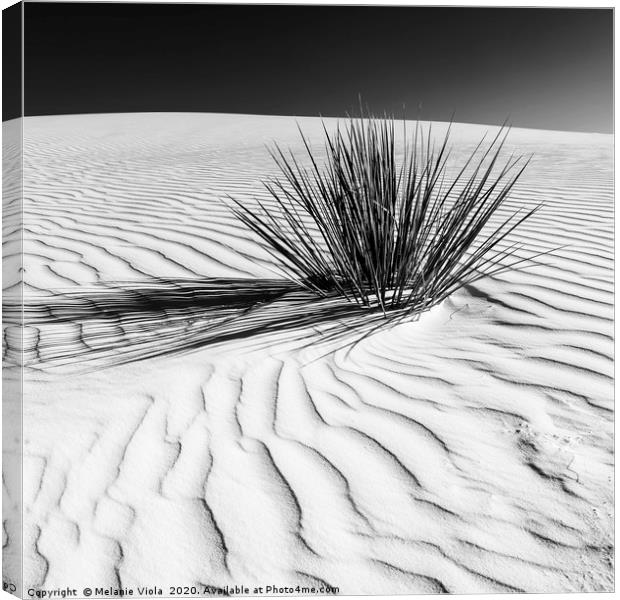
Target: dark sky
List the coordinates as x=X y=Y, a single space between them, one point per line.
x=11 y=61
x=543 y=68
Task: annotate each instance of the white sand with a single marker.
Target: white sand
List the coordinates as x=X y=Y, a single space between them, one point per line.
x=468 y=452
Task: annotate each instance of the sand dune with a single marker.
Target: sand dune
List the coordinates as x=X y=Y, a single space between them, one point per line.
x=470 y=451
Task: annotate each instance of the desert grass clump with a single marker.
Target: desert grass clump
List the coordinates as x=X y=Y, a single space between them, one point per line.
x=382 y=224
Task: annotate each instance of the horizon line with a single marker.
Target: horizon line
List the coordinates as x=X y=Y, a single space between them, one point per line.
x=315 y=116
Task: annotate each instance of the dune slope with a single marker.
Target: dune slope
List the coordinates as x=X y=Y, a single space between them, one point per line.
x=470 y=451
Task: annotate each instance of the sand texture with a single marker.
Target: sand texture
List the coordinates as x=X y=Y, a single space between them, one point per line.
x=469 y=451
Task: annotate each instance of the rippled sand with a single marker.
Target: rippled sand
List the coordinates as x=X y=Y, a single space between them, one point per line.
x=469 y=451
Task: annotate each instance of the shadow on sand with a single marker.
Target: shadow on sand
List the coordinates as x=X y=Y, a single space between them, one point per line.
x=130 y=321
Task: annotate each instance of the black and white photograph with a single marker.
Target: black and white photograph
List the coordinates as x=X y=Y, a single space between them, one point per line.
x=307 y=299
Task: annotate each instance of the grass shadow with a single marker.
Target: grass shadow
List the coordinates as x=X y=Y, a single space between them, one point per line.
x=132 y=321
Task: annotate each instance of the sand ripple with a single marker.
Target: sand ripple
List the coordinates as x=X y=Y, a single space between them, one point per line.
x=468 y=452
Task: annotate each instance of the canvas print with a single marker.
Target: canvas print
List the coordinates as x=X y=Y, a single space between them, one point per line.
x=307 y=300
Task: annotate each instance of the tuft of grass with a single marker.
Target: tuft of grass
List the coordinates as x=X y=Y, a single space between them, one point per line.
x=382 y=224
